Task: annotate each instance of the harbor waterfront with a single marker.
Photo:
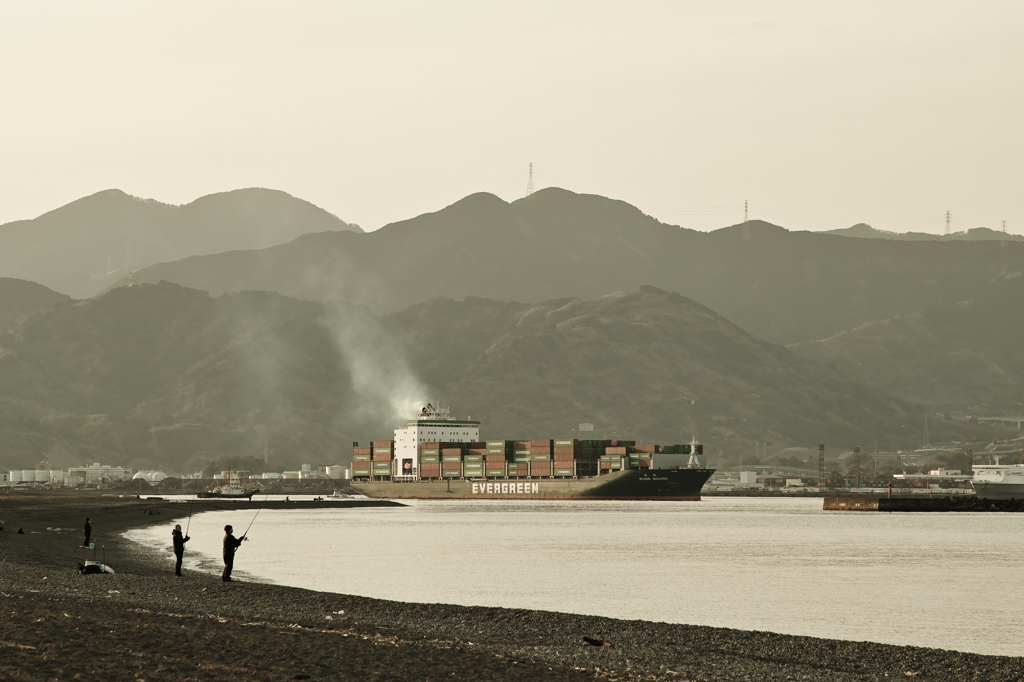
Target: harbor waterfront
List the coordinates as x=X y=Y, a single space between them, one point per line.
x=754 y=563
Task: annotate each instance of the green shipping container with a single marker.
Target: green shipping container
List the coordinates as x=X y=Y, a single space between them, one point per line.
x=684 y=449
x=472 y=458
x=430 y=459
x=563 y=472
x=450 y=474
x=521 y=452
x=383 y=451
x=451 y=458
x=362 y=458
x=502 y=444
x=496 y=472
x=430 y=451
x=361 y=472
x=540 y=458
x=566 y=443
x=521 y=458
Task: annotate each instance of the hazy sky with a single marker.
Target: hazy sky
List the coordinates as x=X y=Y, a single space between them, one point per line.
x=820 y=114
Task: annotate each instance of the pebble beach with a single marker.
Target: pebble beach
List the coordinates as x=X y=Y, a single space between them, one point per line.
x=142 y=623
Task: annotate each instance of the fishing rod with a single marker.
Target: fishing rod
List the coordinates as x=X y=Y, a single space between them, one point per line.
x=265 y=498
x=191 y=504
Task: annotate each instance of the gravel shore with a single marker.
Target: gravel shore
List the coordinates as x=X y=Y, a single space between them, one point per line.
x=143 y=623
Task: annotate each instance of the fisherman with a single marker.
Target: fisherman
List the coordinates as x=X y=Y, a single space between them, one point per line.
x=88 y=532
x=179 y=548
x=231 y=543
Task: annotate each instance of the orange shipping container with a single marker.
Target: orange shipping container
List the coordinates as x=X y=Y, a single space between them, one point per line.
x=566 y=449
x=383 y=458
x=615 y=450
x=540 y=443
x=383 y=443
x=361 y=465
x=431 y=446
x=452 y=451
x=362 y=451
x=645 y=448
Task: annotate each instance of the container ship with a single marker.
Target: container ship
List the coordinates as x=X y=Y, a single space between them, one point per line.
x=438 y=457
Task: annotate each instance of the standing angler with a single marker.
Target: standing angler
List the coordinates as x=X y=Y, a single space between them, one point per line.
x=88 y=532
x=231 y=543
x=179 y=548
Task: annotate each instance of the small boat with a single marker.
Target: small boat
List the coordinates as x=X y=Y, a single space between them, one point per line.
x=340 y=496
x=232 y=491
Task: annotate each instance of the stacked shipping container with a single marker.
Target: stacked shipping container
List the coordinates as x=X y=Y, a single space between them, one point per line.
x=514 y=459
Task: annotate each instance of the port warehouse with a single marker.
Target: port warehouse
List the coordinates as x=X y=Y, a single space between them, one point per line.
x=546 y=458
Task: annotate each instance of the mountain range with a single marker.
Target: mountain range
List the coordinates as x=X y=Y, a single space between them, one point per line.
x=533 y=316
x=785 y=287
x=86 y=246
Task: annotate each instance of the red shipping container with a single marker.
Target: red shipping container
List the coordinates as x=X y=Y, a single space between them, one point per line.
x=383 y=458
x=361 y=465
x=566 y=449
x=645 y=448
x=540 y=468
x=383 y=443
x=540 y=443
x=451 y=451
x=478 y=451
x=615 y=450
x=431 y=446
x=494 y=458
x=564 y=457
x=606 y=465
x=521 y=445
x=540 y=450
x=362 y=451
x=645 y=464
x=478 y=446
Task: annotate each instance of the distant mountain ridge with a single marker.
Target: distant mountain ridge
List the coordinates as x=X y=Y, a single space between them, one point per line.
x=89 y=244
x=864 y=231
x=785 y=287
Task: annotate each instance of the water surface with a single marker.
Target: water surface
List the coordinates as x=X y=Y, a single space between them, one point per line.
x=783 y=565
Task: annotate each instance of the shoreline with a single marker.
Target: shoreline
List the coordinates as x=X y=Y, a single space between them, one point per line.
x=275 y=633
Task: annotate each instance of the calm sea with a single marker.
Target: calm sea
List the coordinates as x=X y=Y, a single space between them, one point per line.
x=783 y=565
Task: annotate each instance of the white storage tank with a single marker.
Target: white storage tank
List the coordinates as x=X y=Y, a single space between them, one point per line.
x=336 y=472
x=271 y=475
x=16 y=476
x=291 y=474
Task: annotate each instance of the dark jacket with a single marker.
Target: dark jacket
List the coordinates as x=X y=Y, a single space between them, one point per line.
x=231 y=543
x=179 y=542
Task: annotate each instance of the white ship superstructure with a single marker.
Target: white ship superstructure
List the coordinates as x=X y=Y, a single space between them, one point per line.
x=433 y=425
x=999 y=481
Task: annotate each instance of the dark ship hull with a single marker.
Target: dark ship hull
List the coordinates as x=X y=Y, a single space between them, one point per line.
x=628 y=484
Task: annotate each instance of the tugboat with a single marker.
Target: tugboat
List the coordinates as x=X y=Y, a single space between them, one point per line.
x=232 y=491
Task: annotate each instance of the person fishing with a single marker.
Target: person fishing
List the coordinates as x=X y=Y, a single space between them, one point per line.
x=231 y=543
x=88 y=532
x=179 y=548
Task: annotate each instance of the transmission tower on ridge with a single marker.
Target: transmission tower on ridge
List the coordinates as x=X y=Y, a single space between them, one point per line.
x=948 y=218
x=746 y=215
x=821 y=465
x=529 y=181
x=1004 y=227
x=856 y=467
